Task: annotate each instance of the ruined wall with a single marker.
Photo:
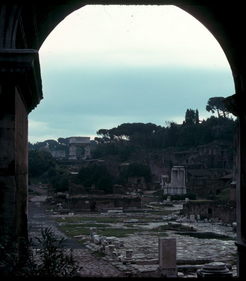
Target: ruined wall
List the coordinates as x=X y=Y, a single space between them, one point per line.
x=224 y=211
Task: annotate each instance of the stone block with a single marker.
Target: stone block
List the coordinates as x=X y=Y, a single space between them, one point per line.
x=192 y=218
x=111 y=248
x=167 y=256
x=106 y=250
x=129 y=253
x=96 y=239
x=110 y=239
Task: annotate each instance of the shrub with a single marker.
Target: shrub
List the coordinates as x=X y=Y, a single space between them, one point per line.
x=49 y=259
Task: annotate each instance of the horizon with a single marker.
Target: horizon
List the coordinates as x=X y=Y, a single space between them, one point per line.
x=92 y=137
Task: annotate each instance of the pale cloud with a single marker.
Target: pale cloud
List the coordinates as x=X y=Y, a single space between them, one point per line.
x=41 y=131
x=132 y=35
x=107 y=65
x=37 y=125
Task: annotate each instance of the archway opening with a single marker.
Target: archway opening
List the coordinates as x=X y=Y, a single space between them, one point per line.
x=115 y=84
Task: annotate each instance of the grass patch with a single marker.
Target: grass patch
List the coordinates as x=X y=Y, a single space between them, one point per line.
x=88 y=219
x=206 y=235
x=161 y=212
x=175 y=227
x=117 y=232
x=75 y=229
x=157 y=216
x=88 y=224
x=162 y=234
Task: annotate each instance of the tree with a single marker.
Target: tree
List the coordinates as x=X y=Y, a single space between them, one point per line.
x=191 y=117
x=136 y=170
x=64 y=141
x=60 y=182
x=98 y=175
x=133 y=132
x=40 y=162
x=197 y=117
x=216 y=104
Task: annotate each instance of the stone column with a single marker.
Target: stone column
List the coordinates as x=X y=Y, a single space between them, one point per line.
x=20 y=91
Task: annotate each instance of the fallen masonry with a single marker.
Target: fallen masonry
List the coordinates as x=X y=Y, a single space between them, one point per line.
x=134 y=264
x=137 y=253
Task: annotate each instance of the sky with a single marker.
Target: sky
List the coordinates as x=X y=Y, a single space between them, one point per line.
x=106 y=65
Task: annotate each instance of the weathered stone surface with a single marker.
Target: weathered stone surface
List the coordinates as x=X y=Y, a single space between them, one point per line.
x=214 y=269
x=167 y=256
x=13 y=163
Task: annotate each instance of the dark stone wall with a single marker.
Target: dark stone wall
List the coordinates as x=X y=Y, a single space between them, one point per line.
x=13 y=163
x=7 y=159
x=21 y=164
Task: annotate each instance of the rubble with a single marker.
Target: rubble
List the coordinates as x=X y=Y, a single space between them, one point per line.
x=137 y=253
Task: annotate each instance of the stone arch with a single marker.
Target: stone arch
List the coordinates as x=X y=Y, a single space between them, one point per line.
x=9 y=20
x=48 y=17
x=24 y=27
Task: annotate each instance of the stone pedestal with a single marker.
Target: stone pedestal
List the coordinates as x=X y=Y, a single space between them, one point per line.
x=177 y=185
x=93 y=231
x=214 y=269
x=167 y=257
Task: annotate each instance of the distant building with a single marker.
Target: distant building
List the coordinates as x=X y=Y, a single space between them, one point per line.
x=79 y=148
x=177 y=184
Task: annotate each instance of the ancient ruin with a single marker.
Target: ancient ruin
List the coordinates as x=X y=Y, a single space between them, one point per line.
x=79 y=148
x=177 y=184
x=24 y=27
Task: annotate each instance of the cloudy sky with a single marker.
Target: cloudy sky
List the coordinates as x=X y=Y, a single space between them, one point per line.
x=107 y=65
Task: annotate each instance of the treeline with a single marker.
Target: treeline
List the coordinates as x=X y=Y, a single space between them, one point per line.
x=126 y=143
x=128 y=137
x=102 y=177
x=45 y=169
